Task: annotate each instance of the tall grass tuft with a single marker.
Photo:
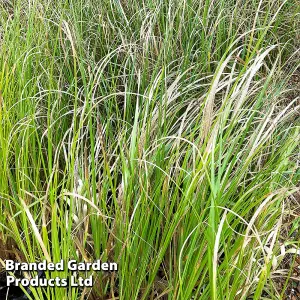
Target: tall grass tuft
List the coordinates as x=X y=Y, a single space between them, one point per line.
x=162 y=135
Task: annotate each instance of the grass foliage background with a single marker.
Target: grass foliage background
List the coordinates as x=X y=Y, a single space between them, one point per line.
x=163 y=135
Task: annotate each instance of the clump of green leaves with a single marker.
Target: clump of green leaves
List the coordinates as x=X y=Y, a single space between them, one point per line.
x=158 y=135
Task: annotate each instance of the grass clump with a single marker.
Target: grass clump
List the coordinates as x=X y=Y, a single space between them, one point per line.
x=161 y=135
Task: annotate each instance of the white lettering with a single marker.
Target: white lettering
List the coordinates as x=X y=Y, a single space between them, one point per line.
x=9 y=280
x=72 y=265
x=9 y=265
x=59 y=266
x=73 y=282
